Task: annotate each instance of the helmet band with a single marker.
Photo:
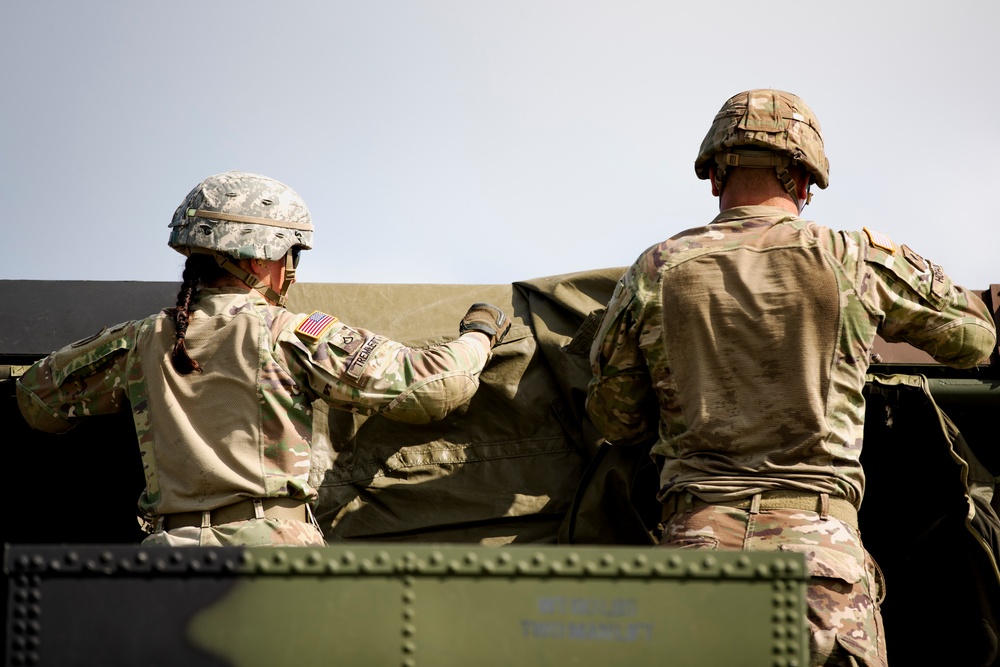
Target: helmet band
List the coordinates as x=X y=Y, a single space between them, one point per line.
x=230 y=217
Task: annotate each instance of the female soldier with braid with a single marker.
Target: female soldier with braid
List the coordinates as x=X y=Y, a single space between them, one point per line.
x=220 y=387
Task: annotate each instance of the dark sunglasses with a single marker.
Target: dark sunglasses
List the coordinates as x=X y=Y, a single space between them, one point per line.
x=295 y=256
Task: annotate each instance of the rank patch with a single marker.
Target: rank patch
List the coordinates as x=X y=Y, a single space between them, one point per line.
x=880 y=240
x=914 y=259
x=347 y=340
x=315 y=325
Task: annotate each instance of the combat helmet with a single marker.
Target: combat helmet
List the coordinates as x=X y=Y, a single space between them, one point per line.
x=239 y=215
x=765 y=128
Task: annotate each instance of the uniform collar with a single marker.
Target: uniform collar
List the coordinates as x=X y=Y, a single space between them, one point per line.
x=775 y=213
x=218 y=300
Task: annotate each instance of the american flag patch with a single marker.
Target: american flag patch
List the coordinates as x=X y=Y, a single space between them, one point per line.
x=315 y=325
x=880 y=240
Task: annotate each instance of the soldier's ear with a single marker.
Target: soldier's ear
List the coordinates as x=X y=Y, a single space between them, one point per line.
x=254 y=267
x=711 y=179
x=802 y=187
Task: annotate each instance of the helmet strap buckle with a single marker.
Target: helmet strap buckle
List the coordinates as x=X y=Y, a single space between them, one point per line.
x=252 y=281
x=289 y=278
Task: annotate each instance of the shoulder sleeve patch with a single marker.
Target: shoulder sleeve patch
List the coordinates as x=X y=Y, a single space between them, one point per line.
x=90 y=351
x=922 y=275
x=880 y=240
x=314 y=326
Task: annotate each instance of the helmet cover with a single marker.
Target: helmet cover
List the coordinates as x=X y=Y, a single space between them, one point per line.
x=767 y=119
x=242 y=215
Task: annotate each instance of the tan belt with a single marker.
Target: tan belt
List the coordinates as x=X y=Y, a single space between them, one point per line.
x=821 y=503
x=270 y=508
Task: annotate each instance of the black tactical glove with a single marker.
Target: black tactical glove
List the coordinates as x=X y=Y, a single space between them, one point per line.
x=487 y=319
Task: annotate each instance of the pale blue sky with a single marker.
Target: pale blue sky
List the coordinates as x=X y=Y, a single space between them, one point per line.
x=446 y=141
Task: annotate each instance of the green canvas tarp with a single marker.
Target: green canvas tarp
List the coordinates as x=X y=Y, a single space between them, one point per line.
x=505 y=467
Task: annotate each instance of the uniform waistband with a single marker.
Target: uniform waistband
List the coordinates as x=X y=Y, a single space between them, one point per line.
x=251 y=508
x=821 y=503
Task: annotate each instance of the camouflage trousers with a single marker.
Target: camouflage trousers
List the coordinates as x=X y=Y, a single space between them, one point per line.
x=254 y=532
x=844 y=590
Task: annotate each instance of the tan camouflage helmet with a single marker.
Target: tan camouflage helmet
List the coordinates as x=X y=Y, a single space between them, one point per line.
x=242 y=215
x=765 y=128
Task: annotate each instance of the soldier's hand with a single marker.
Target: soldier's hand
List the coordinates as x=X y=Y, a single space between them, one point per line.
x=488 y=319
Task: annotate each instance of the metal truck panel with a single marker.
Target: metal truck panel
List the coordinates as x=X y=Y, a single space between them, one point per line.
x=403 y=605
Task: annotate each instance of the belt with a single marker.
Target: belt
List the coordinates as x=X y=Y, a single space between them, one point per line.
x=270 y=508
x=821 y=503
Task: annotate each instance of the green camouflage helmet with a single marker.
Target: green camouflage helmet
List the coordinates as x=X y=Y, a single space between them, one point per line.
x=778 y=122
x=242 y=215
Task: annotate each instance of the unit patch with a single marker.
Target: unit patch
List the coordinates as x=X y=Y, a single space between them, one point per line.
x=880 y=240
x=315 y=325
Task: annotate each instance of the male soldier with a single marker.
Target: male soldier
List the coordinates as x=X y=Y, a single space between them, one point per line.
x=743 y=345
x=221 y=386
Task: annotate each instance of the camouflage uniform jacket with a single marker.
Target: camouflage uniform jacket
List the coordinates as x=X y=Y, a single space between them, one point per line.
x=241 y=428
x=743 y=346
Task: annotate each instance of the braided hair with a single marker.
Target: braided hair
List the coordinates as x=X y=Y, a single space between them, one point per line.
x=200 y=269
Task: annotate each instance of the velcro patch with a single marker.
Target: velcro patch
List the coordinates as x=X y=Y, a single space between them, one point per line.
x=880 y=240
x=315 y=325
x=88 y=339
x=914 y=259
x=360 y=360
x=940 y=284
x=90 y=351
x=347 y=340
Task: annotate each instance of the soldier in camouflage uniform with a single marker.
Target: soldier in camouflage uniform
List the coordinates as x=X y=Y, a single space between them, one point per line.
x=220 y=387
x=742 y=348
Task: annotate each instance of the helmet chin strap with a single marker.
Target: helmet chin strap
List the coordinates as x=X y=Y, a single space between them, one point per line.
x=253 y=282
x=805 y=202
x=289 y=279
x=756 y=159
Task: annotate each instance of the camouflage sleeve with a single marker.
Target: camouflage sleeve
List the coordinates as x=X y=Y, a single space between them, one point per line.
x=620 y=392
x=85 y=378
x=363 y=372
x=920 y=305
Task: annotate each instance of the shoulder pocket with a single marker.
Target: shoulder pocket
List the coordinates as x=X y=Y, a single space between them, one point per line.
x=611 y=318
x=922 y=276
x=583 y=339
x=89 y=353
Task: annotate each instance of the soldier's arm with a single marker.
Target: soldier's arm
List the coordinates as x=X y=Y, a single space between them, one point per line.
x=922 y=306
x=360 y=371
x=620 y=392
x=85 y=378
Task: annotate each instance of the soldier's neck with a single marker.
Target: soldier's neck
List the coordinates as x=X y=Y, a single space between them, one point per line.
x=733 y=200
